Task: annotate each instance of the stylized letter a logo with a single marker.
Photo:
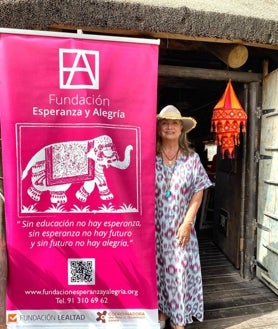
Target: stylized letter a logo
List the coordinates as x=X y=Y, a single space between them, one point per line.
x=79 y=69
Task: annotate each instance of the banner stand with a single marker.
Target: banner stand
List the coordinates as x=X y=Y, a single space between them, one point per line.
x=78 y=126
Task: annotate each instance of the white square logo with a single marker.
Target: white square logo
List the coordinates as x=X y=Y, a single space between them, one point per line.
x=79 y=69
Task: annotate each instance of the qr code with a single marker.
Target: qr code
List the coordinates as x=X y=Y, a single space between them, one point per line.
x=81 y=271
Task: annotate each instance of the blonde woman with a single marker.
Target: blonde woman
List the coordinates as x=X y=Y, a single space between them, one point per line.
x=180 y=182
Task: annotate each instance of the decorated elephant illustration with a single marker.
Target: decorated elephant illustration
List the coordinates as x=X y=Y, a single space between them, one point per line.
x=57 y=166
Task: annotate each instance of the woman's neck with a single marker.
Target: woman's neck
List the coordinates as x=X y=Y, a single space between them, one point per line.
x=169 y=153
x=170 y=146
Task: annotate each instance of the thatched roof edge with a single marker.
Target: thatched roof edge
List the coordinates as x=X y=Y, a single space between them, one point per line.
x=97 y=14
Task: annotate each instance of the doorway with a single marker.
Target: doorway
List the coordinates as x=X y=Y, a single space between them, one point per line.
x=222 y=214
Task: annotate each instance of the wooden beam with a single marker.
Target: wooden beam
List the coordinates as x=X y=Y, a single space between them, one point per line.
x=232 y=55
x=207 y=74
x=157 y=35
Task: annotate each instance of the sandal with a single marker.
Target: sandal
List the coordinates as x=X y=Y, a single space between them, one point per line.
x=172 y=325
x=162 y=324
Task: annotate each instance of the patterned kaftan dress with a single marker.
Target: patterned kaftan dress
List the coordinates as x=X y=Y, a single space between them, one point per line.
x=180 y=291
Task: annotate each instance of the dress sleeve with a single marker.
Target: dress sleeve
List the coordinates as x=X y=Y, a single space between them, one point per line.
x=201 y=179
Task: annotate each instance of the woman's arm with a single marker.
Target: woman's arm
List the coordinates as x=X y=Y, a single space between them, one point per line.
x=184 y=230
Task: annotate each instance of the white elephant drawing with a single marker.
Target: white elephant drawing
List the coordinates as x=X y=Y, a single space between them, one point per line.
x=57 y=166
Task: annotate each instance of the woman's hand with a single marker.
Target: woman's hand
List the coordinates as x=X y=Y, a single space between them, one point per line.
x=183 y=235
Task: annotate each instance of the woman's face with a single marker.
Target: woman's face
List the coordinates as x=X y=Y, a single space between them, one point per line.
x=169 y=129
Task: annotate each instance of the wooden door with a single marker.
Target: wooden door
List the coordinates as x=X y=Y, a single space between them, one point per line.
x=267 y=219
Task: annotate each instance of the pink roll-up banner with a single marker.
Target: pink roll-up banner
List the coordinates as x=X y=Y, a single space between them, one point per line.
x=78 y=117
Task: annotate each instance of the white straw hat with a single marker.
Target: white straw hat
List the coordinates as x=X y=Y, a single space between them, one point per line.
x=172 y=113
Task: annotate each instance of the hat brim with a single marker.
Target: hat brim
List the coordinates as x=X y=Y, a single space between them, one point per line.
x=188 y=122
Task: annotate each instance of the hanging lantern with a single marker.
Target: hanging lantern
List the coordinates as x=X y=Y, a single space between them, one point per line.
x=228 y=119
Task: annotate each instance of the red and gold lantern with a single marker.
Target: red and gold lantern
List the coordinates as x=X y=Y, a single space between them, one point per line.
x=228 y=119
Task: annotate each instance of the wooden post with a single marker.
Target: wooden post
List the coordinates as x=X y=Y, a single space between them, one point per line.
x=251 y=193
x=3 y=255
x=265 y=67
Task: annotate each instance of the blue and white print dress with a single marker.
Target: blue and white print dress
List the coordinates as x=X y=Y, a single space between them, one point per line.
x=180 y=290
